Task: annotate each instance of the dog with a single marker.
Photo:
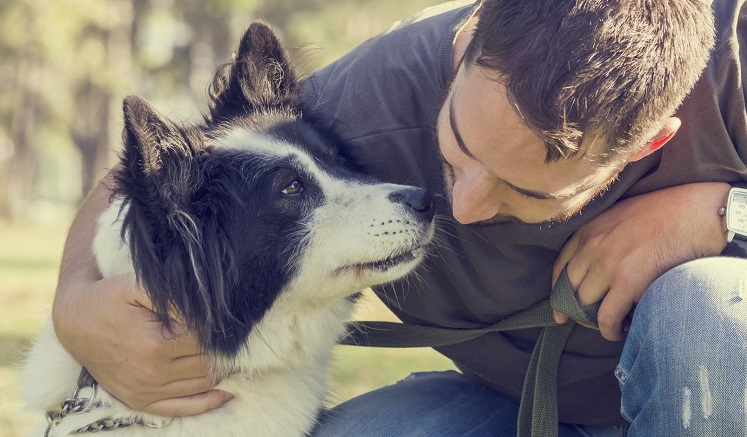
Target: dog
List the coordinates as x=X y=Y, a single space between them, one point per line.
x=259 y=233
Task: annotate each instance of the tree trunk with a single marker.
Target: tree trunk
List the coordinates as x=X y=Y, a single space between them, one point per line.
x=22 y=165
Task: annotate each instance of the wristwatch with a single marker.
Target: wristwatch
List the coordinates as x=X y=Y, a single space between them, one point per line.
x=735 y=212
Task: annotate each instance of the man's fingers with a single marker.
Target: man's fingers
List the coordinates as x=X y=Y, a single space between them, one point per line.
x=142 y=396
x=615 y=313
x=187 y=387
x=180 y=372
x=612 y=315
x=189 y=405
x=566 y=254
x=592 y=288
x=190 y=366
x=588 y=284
x=560 y=318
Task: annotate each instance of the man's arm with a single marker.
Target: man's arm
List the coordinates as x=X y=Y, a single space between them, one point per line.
x=108 y=326
x=615 y=257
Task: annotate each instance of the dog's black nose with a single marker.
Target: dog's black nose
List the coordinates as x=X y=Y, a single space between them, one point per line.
x=419 y=200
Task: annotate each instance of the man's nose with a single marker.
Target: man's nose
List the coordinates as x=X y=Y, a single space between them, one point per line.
x=473 y=201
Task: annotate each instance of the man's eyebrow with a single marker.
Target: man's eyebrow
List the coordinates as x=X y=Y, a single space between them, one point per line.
x=457 y=134
x=463 y=147
x=537 y=194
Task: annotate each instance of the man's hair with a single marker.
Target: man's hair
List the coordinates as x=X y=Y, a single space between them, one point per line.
x=602 y=70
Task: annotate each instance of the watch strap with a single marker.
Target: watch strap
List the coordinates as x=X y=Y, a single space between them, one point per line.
x=738 y=245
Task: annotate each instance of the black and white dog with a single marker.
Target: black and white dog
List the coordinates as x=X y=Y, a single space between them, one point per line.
x=250 y=226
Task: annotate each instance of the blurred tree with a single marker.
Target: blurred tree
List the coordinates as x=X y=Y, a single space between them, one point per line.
x=20 y=111
x=67 y=65
x=96 y=88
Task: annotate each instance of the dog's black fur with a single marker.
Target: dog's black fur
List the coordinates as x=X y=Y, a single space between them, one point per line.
x=178 y=191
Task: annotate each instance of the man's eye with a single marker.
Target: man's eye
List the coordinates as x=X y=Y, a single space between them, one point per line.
x=295 y=187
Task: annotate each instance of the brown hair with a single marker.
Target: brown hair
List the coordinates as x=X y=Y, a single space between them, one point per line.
x=609 y=70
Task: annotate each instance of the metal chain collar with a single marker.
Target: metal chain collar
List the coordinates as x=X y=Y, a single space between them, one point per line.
x=76 y=405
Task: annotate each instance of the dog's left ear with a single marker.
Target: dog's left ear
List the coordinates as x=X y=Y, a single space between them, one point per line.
x=260 y=77
x=156 y=153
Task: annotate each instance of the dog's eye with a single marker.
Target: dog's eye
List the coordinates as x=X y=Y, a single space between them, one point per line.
x=295 y=187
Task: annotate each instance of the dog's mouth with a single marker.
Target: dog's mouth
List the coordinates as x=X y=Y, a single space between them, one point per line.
x=392 y=261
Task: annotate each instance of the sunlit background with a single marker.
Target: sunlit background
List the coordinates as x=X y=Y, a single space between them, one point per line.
x=65 y=66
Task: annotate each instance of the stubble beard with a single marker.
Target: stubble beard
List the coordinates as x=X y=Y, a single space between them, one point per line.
x=447 y=182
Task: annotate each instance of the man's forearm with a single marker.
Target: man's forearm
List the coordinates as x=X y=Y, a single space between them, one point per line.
x=78 y=262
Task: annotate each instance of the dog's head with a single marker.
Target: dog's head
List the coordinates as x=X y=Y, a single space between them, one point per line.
x=224 y=217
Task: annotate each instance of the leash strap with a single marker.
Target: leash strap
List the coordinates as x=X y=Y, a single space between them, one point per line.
x=538 y=412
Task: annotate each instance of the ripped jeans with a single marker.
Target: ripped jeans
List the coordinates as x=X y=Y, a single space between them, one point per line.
x=683 y=372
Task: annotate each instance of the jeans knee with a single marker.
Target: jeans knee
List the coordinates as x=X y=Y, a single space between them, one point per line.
x=682 y=369
x=699 y=291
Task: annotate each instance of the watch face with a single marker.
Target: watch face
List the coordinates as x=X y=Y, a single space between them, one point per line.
x=736 y=214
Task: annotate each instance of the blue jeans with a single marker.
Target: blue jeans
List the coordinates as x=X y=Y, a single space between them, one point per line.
x=683 y=372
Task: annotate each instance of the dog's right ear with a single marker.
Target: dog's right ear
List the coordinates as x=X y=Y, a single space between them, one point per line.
x=260 y=77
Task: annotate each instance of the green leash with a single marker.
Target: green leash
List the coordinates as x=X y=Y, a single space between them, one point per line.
x=538 y=412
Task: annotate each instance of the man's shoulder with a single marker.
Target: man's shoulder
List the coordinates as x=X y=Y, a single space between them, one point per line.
x=392 y=81
x=442 y=11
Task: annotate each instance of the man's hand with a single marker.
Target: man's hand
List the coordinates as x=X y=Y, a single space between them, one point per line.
x=615 y=257
x=107 y=325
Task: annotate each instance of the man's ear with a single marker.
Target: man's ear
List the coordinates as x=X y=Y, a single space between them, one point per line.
x=665 y=134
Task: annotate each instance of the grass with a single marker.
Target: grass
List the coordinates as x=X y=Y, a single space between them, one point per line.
x=29 y=260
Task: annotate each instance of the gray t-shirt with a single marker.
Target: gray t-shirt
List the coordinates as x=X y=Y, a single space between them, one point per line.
x=382 y=99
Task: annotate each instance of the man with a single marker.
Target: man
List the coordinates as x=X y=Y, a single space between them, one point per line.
x=550 y=125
